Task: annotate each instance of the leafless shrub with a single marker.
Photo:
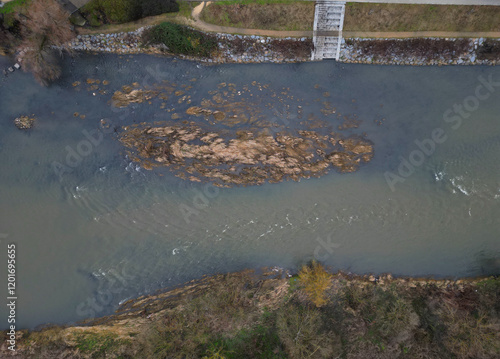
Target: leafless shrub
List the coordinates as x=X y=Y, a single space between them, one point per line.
x=424 y=48
x=292 y=48
x=239 y=45
x=489 y=50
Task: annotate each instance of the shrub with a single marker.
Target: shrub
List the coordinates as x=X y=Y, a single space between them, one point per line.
x=120 y=11
x=11 y=22
x=489 y=50
x=117 y=11
x=315 y=281
x=260 y=341
x=157 y=7
x=419 y=47
x=182 y=39
x=304 y=334
x=471 y=336
x=6 y=38
x=11 y=6
x=392 y=317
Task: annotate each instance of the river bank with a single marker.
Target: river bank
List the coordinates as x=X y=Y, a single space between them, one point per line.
x=261 y=49
x=271 y=313
x=421 y=51
x=231 y=48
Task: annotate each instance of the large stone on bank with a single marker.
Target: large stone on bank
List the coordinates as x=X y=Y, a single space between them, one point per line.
x=77 y=19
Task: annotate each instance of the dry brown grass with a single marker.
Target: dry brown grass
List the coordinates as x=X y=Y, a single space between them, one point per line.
x=358 y=16
x=295 y=16
x=398 y=17
x=304 y=334
x=243 y=315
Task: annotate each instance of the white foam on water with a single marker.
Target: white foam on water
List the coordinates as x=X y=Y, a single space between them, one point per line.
x=439 y=176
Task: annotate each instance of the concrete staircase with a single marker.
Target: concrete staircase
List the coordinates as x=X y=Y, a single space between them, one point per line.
x=328 y=24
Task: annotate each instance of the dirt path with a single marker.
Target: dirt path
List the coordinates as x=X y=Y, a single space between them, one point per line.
x=134 y=25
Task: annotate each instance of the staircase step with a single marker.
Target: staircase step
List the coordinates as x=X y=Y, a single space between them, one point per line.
x=328 y=16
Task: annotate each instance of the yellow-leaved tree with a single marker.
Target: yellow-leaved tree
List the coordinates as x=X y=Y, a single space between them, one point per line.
x=315 y=281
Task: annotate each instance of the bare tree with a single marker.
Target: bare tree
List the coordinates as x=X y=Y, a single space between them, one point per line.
x=6 y=38
x=45 y=30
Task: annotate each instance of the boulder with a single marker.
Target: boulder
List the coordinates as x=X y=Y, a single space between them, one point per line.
x=24 y=122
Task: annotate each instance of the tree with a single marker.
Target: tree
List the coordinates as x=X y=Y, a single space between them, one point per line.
x=45 y=30
x=315 y=281
x=7 y=39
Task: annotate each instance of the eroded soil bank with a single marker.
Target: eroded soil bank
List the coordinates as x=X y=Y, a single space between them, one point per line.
x=271 y=315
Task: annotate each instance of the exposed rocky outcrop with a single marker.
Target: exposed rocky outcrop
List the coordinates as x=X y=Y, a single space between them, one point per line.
x=247 y=157
x=24 y=122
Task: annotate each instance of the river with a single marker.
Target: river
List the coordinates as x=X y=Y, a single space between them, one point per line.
x=104 y=229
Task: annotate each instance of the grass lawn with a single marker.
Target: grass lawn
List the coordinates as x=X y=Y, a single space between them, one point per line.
x=299 y=15
x=282 y=15
x=400 y=17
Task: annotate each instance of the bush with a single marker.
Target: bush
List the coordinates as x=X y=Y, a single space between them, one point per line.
x=182 y=40
x=113 y=10
x=6 y=39
x=157 y=7
x=11 y=6
x=489 y=50
x=315 y=281
x=304 y=334
x=120 y=11
x=470 y=335
x=419 y=47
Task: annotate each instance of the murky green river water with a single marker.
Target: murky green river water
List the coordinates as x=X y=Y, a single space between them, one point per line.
x=106 y=230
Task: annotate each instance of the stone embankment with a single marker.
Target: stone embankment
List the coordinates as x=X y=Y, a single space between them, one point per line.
x=421 y=51
x=259 y=49
x=232 y=48
x=123 y=43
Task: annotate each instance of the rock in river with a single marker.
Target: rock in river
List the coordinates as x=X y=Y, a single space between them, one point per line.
x=24 y=122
